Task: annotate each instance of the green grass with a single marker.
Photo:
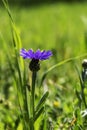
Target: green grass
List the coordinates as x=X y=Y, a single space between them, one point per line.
x=49 y=26
x=60 y=27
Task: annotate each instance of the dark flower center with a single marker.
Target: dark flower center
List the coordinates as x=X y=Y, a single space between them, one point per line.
x=34 y=65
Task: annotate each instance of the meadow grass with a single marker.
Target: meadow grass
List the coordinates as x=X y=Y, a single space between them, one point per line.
x=60 y=27
x=63 y=29
x=49 y=26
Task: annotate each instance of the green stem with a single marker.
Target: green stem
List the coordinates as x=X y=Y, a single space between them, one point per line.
x=33 y=97
x=83 y=97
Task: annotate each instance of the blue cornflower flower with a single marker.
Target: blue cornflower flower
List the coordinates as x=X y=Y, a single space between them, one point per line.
x=35 y=57
x=39 y=55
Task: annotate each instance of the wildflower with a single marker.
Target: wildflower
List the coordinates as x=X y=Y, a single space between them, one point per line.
x=84 y=63
x=56 y=103
x=84 y=71
x=35 y=57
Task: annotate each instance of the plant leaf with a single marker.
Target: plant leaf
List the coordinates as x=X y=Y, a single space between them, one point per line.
x=38 y=114
x=59 y=64
x=42 y=100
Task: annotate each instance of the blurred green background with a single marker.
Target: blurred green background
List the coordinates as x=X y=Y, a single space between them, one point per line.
x=32 y=2
x=50 y=25
x=60 y=26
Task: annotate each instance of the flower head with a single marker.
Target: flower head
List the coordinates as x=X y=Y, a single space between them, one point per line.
x=35 y=57
x=38 y=55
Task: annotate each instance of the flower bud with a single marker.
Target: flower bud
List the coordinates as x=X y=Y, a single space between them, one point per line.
x=84 y=63
x=34 y=65
x=84 y=71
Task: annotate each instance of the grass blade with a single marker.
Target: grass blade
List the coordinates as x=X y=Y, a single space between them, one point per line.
x=42 y=100
x=59 y=64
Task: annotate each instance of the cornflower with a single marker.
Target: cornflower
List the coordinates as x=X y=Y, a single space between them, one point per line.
x=35 y=57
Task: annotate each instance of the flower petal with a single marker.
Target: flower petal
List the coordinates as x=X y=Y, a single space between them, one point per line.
x=30 y=54
x=45 y=55
x=37 y=54
x=23 y=53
